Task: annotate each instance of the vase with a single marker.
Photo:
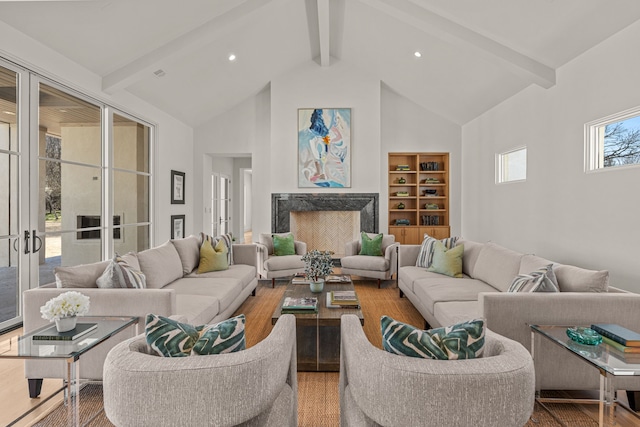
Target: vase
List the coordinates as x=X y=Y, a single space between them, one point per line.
x=316 y=286
x=66 y=324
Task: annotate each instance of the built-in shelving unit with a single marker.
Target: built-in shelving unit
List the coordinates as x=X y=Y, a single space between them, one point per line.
x=418 y=196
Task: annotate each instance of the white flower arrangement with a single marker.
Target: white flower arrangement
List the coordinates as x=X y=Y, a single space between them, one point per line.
x=68 y=304
x=317 y=265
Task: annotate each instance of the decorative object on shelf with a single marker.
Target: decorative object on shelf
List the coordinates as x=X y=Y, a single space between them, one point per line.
x=430 y=219
x=402 y=221
x=429 y=166
x=584 y=335
x=177 y=188
x=177 y=226
x=402 y=181
x=431 y=181
x=317 y=265
x=400 y=205
x=430 y=192
x=324 y=147
x=402 y=193
x=431 y=206
x=65 y=306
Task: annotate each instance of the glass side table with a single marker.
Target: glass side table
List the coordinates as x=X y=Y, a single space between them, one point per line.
x=24 y=347
x=601 y=357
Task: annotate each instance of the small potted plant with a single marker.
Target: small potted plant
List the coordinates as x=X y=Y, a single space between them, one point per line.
x=64 y=309
x=317 y=265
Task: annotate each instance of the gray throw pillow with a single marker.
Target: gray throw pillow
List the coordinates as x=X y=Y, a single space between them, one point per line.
x=541 y=280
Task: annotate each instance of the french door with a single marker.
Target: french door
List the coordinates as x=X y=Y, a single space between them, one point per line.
x=220 y=204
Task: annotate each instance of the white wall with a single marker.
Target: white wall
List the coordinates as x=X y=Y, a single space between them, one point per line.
x=560 y=212
x=409 y=127
x=174 y=148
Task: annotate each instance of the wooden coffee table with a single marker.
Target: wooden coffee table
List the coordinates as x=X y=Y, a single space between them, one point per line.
x=318 y=334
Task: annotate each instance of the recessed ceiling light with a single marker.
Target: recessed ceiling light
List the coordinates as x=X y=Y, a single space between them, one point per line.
x=232 y=57
x=417 y=54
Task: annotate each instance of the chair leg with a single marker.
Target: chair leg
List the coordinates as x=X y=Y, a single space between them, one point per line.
x=378 y=283
x=35 y=386
x=273 y=282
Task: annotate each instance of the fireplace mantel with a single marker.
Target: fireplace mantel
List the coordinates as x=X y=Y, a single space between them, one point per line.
x=284 y=203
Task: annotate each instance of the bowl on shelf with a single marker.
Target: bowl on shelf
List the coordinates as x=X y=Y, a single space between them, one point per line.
x=430 y=192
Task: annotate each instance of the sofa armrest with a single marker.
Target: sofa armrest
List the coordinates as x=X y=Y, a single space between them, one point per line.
x=103 y=302
x=351 y=248
x=408 y=254
x=246 y=253
x=391 y=253
x=301 y=247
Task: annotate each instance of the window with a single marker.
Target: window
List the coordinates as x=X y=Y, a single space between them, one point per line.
x=613 y=141
x=511 y=165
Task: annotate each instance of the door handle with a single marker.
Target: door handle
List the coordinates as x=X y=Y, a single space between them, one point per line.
x=26 y=241
x=35 y=238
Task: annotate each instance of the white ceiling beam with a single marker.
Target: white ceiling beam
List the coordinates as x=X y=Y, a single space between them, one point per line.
x=461 y=36
x=324 y=32
x=181 y=46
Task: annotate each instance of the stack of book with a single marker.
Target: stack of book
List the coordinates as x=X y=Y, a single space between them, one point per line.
x=342 y=299
x=300 y=279
x=337 y=278
x=623 y=343
x=402 y=168
x=50 y=334
x=300 y=305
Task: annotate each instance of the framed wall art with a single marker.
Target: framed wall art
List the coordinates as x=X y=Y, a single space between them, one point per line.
x=177 y=226
x=177 y=188
x=324 y=147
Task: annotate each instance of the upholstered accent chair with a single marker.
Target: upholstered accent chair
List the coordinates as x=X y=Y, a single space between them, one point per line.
x=377 y=267
x=254 y=387
x=272 y=266
x=497 y=389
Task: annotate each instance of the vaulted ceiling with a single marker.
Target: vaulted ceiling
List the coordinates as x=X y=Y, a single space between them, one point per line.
x=475 y=53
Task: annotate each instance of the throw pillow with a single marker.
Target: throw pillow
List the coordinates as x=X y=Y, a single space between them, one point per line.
x=369 y=246
x=170 y=338
x=224 y=337
x=460 y=341
x=541 y=280
x=119 y=274
x=425 y=256
x=213 y=259
x=283 y=245
x=228 y=240
x=447 y=261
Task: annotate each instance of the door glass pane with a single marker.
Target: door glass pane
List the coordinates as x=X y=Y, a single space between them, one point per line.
x=8 y=194
x=8 y=110
x=130 y=197
x=130 y=144
x=133 y=239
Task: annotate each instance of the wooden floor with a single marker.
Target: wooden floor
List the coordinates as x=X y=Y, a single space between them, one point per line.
x=318 y=392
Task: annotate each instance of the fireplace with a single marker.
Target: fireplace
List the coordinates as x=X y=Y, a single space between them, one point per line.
x=311 y=212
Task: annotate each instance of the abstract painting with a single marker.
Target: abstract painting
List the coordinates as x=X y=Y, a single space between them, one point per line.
x=324 y=147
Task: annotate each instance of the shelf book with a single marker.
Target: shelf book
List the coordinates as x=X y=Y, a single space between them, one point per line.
x=300 y=305
x=618 y=334
x=51 y=333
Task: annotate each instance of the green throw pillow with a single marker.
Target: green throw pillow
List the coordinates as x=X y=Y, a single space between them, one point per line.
x=224 y=337
x=460 y=341
x=283 y=245
x=369 y=246
x=213 y=259
x=447 y=261
x=170 y=338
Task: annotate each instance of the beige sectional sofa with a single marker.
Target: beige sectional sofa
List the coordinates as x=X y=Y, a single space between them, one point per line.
x=585 y=297
x=173 y=286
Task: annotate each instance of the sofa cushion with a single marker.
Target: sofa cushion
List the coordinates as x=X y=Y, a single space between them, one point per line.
x=540 y=280
x=371 y=263
x=410 y=274
x=199 y=309
x=283 y=245
x=460 y=341
x=160 y=265
x=450 y=312
x=222 y=338
x=189 y=252
x=225 y=290
x=497 y=266
x=170 y=338
x=447 y=261
x=119 y=274
x=370 y=246
x=530 y=262
x=80 y=276
x=131 y=258
x=242 y=272
x=425 y=256
x=432 y=291
x=286 y=262
x=470 y=257
x=576 y=279
x=213 y=258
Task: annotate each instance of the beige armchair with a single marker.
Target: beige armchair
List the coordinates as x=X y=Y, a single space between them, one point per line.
x=377 y=267
x=497 y=389
x=271 y=266
x=254 y=387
